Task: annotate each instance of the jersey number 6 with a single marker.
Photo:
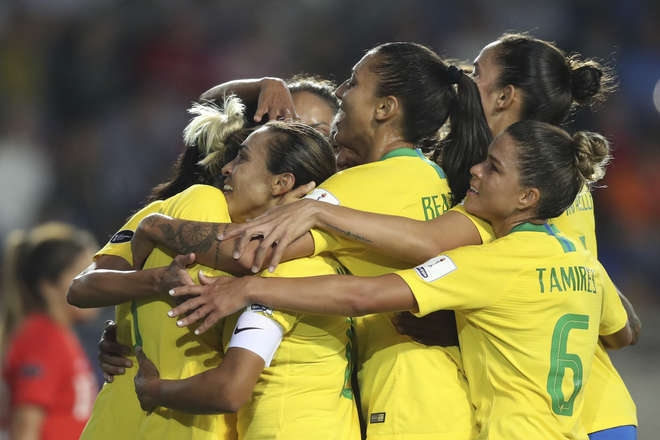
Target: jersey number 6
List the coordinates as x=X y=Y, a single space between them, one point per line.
x=560 y=361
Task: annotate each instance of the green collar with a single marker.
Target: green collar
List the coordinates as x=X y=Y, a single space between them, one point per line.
x=403 y=151
x=567 y=245
x=529 y=227
x=414 y=152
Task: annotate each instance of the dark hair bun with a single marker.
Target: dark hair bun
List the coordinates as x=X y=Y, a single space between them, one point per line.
x=585 y=82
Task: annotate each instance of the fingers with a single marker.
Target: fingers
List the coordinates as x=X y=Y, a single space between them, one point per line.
x=210 y=320
x=301 y=191
x=139 y=354
x=186 y=307
x=112 y=366
x=205 y=280
x=241 y=244
x=266 y=245
x=195 y=316
x=184 y=260
x=187 y=290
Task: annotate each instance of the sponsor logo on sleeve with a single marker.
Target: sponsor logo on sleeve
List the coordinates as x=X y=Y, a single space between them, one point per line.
x=122 y=236
x=323 y=195
x=435 y=268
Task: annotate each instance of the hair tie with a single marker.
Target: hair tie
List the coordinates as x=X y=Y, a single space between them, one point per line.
x=454 y=74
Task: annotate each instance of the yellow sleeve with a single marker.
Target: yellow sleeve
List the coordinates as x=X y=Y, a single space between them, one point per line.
x=485 y=229
x=286 y=320
x=325 y=242
x=613 y=315
x=461 y=279
x=198 y=202
x=335 y=191
x=120 y=243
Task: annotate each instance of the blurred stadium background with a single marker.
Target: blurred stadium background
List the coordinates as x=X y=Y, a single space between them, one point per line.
x=94 y=94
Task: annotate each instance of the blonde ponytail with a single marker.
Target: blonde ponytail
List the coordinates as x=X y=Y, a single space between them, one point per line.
x=211 y=126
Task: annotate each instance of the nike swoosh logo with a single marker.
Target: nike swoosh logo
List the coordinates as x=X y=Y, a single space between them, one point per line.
x=238 y=330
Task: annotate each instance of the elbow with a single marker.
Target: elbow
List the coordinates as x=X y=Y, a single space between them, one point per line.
x=636 y=330
x=358 y=304
x=229 y=401
x=73 y=296
x=635 y=333
x=620 y=339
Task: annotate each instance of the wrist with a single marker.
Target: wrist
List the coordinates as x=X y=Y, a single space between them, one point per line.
x=251 y=291
x=156 y=278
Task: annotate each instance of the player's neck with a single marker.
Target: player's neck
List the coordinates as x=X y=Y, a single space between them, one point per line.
x=504 y=226
x=387 y=142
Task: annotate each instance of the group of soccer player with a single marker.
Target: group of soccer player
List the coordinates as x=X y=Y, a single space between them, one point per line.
x=452 y=196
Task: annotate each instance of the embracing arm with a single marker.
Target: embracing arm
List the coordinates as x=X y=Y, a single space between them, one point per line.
x=345 y=295
x=201 y=238
x=223 y=389
x=412 y=241
x=633 y=319
x=620 y=339
x=271 y=95
x=98 y=287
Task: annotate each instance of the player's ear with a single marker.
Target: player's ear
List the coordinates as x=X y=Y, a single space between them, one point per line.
x=387 y=108
x=528 y=198
x=282 y=184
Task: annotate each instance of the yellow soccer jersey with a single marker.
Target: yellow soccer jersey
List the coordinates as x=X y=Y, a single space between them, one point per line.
x=483 y=227
x=607 y=402
x=578 y=223
x=306 y=392
x=102 y=424
x=529 y=309
x=394 y=370
x=178 y=352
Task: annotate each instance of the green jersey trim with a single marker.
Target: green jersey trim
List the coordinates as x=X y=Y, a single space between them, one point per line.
x=399 y=152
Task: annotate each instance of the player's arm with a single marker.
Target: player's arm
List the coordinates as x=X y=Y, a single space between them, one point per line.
x=201 y=238
x=409 y=240
x=271 y=95
x=225 y=388
x=26 y=422
x=441 y=283
x=615 y=328
x=330 y=294
x=619 y=339
x=633 y=318
x=96 y=287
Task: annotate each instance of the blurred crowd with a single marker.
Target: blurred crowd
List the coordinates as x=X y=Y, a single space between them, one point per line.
x=94 y=94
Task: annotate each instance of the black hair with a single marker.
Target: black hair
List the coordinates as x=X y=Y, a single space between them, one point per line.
x=424 y=86
x=553 y=84
x=301 y=150
x=323 y=88
x=556 y=163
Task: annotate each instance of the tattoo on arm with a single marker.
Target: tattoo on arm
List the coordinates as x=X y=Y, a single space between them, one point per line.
x=349 y=234
x=190 y=237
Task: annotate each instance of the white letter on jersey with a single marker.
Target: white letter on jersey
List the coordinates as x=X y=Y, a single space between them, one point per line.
x=322 y=195
x=435 y=268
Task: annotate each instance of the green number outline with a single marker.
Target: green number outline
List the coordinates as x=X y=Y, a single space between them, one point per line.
x=560 y=361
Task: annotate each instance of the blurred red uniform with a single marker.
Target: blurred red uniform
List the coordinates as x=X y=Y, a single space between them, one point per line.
x=46 y=366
